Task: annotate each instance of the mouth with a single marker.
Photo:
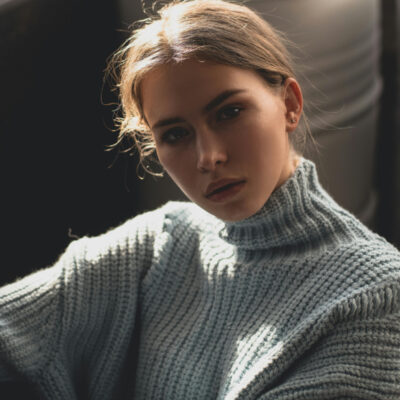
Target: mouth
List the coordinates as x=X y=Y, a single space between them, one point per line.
x=223 y=189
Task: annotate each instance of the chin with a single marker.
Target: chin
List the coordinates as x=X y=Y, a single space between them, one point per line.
x=236 y=213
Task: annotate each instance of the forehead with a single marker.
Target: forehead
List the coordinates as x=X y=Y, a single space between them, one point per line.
x=174 y=87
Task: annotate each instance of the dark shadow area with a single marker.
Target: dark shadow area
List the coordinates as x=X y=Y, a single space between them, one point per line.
x=17 y=391
x=56 y=180
x=387 y=174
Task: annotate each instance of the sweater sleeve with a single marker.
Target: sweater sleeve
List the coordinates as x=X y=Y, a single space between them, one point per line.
x=67 y=329
x=357 y=353
x=358 y=360
x=28 y=309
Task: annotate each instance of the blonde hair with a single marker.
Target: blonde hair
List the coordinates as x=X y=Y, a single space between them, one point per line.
x=212 y=30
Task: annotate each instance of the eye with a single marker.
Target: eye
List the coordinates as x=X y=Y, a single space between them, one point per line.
x=228 y=112
x=173 y=135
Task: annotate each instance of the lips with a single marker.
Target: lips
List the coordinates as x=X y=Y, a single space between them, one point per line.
x=223 y=185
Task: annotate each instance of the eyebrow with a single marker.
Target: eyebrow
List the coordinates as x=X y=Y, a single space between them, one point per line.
x=215 y=102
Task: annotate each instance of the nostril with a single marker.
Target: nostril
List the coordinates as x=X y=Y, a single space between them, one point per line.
x=209 y=163
x=210 y=151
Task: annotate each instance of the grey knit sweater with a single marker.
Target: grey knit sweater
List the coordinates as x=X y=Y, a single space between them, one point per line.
x=299 y=301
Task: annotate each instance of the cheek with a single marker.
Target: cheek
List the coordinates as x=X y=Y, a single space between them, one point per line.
x=175 y=163
x=168 y=164
x=165 y=154
x=261 y=136
x=162 y=157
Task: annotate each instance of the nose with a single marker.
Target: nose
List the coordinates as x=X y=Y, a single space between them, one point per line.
x=211 y=150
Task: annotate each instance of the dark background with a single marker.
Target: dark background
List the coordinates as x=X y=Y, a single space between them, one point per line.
x=57 y=180
x=56 y=177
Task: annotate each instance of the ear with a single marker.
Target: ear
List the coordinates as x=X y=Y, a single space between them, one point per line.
x=293 y=99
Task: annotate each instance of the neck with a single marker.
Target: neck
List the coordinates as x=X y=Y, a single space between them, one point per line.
x=299 y=215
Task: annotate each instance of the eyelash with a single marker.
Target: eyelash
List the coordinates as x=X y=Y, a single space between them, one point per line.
x=166 y=136
x=229 y=108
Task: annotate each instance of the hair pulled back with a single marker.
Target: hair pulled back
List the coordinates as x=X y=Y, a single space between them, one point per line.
x=220 y=31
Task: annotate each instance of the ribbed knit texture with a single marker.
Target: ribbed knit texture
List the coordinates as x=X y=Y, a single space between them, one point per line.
x=299 y=301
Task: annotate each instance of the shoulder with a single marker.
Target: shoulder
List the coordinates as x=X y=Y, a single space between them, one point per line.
x=374 y=258
x=189 y=218
x=138 y=237
x=362 y=278
x=127 y=237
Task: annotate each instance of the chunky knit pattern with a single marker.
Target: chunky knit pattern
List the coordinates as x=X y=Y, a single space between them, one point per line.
x=299 y=301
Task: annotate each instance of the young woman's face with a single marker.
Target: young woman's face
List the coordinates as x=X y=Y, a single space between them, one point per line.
x=221 y=133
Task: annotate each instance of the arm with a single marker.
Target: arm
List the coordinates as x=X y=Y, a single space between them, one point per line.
x=69 y=327
x=28 y=313
x=357 y=360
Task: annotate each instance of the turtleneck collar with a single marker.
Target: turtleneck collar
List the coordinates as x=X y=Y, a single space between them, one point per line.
x=299 y=213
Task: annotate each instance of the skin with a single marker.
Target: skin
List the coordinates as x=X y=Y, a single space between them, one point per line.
x=242 y=139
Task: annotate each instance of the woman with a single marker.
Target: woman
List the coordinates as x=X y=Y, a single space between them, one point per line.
x=262 y=288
